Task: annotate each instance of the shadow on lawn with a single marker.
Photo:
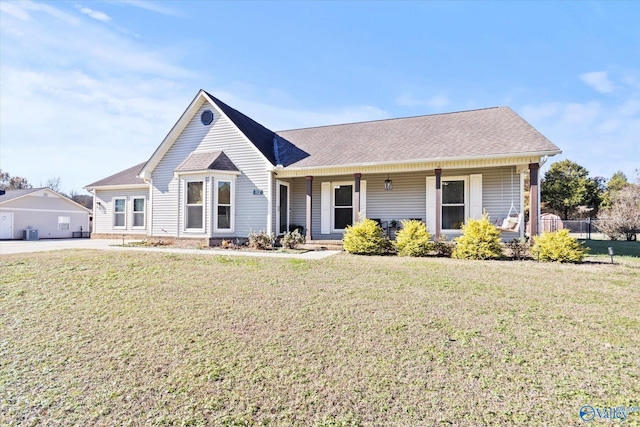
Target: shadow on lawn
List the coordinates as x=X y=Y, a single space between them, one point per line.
x=620 y=248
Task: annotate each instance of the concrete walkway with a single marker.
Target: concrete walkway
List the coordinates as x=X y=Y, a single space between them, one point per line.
x=8 y=247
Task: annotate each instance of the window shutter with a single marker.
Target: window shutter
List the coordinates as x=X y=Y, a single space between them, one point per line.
x=325 y=208
x=475 y=196
x=431 y=204
x=363 y=200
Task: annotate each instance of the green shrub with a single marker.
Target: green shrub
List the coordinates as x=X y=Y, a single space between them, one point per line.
x=260 y=240
x=292 y=239
x=558 y=246
x=480 y=240
x=413 y=239
x=443 y=247
x=365 y=238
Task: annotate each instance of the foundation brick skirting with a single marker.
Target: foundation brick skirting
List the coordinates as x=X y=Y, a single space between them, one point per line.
x=170 y=240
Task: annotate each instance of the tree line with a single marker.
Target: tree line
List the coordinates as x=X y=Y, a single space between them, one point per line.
x=568 y=191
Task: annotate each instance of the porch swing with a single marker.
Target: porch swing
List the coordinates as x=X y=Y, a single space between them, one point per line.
x=514 y=218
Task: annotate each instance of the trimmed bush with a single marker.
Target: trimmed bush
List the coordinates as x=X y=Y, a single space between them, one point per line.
x=558 y=246
x=292 y=239
x=365 y=237
x=413 y=239
x=480 y=240
x=260 y=240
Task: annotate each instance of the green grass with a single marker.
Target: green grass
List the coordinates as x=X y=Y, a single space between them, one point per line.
x=620 y=248
x=122 y=338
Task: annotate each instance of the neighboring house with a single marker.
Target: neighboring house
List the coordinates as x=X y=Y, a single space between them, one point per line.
x=53 y=215
x=218 y=174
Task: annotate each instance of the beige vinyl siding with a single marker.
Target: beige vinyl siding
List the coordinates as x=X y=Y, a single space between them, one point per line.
x=298 y=214
x=497 y=193
x=38 y=201
x=250 y=209
x=103 y=215
x=408 y=197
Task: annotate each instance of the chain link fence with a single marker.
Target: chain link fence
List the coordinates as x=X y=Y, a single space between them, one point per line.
x=588 y=228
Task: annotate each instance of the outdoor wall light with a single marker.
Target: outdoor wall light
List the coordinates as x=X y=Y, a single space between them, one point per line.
x=388 y=184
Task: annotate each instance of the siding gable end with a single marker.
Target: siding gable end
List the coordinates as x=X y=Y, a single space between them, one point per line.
x=185 y=119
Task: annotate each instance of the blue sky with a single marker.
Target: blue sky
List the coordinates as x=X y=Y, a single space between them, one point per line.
x=89 y=88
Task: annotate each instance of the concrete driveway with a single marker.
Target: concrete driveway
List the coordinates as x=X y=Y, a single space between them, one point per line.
x=8 y=247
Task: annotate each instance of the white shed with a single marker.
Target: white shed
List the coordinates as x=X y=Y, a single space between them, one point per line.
x=51 y=214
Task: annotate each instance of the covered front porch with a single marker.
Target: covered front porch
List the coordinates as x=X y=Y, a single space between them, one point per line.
x=322 y=204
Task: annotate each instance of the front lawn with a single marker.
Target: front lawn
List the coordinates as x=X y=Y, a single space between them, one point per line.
x=123 y=338
x=620 y=247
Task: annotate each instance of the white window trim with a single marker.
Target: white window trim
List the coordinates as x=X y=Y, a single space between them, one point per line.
x=124 y=213
x=231 y=179
x=133 y=213
x=333 y=204
x=185 y=205
x=67 y=222
x=464 y=178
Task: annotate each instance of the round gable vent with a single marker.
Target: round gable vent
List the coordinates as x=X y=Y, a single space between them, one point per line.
x=206 y=117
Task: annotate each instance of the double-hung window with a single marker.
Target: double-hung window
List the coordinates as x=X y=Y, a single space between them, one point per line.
x=119 y=211
x=223 y=220
x=454 y=209
x=195 y=205
x=138 y=212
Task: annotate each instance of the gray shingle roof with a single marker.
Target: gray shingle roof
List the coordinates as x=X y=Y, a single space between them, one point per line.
x=259 y=135
x=214 y=160
x=14 y=194
x=488 y=132
x=126 y=177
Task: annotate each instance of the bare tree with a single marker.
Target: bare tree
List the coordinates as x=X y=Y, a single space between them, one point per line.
x=54 y=184
x=622 y=219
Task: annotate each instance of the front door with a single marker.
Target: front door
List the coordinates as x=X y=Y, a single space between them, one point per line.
x=6 y=225
x=283 y=207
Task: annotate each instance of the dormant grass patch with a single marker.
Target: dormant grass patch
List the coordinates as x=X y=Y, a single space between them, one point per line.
x=107 y=338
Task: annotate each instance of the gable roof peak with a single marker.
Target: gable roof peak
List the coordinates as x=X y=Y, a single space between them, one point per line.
x=260 y=136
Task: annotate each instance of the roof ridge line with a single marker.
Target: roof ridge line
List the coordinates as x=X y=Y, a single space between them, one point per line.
x=395 y=118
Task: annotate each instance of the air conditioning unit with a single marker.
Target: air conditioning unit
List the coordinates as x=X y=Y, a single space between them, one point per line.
x=30 y=234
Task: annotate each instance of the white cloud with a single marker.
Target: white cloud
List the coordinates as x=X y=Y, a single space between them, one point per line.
x=580 y=114
x=95 y=14
x=598 y=80
x=603 y=137
x=49 y=10
x=89 y=101
x=152 y=6
x=14 y=10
